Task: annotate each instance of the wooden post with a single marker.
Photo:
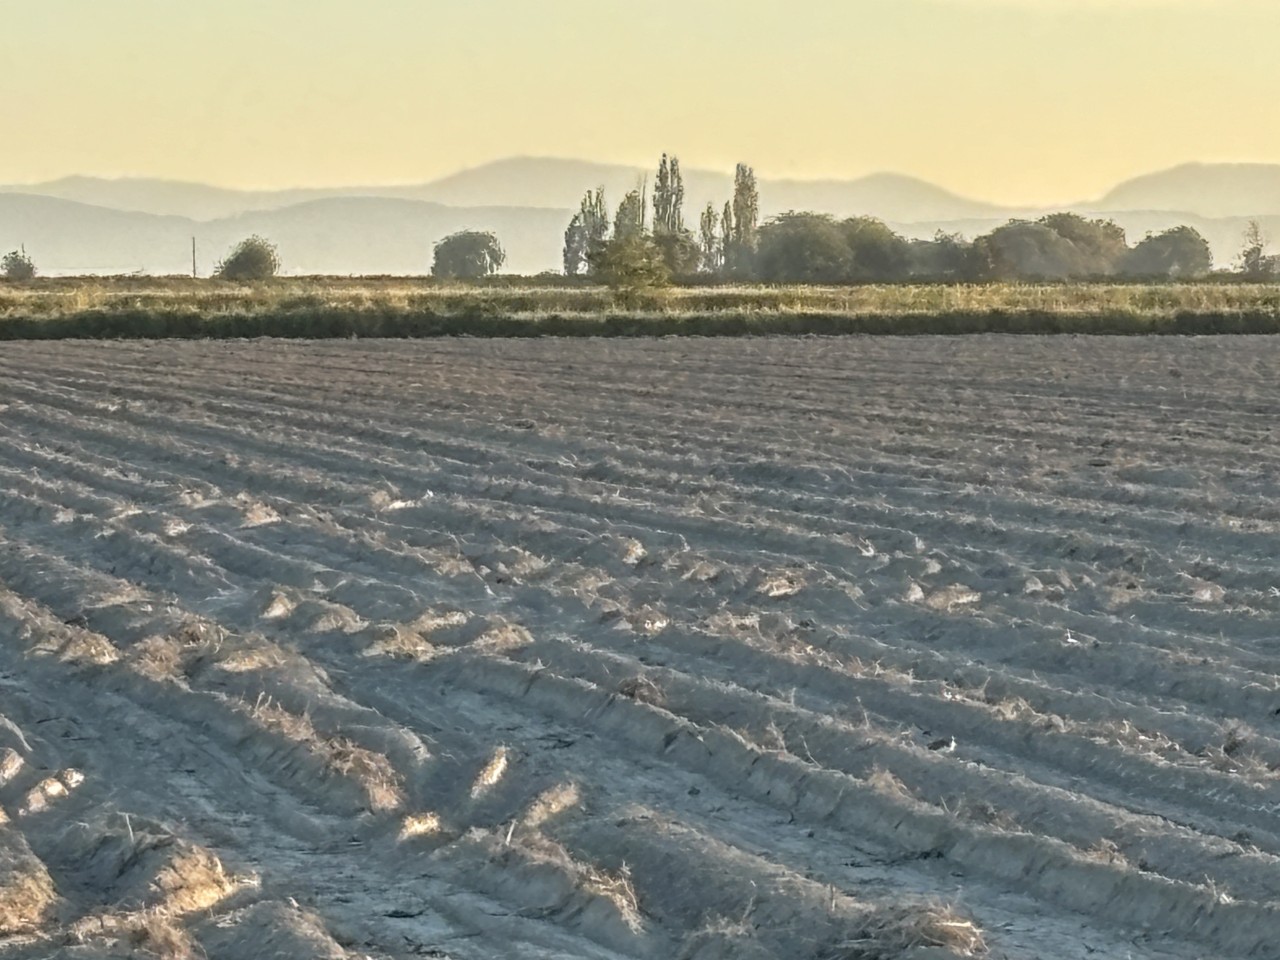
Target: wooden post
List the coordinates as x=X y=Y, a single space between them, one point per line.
x=193 y=258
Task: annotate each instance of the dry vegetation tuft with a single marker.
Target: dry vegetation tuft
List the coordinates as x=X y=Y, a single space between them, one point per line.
x=642 y=689
x=491 y=773
x=27 y=894
x=372 y=771
x=889 y=933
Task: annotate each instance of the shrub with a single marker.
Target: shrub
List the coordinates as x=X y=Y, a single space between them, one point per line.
x=631 y=266
x=252 y=259
x=17 y=266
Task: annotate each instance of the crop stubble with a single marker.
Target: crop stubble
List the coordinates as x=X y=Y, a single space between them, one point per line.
x=638 y=648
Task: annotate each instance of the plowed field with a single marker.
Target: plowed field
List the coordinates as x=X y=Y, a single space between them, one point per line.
x=703 y=649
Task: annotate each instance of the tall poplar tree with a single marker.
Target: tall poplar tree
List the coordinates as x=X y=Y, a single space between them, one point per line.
x=587 y=233
x=710 y=246
x=740 y=242
x=679 y=248
x=668 y=197
x=629 y=221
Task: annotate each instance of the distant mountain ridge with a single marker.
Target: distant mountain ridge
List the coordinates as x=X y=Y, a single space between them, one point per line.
x=338 y=235
x=1206 y=189
x=548 y=183
x=88 y=224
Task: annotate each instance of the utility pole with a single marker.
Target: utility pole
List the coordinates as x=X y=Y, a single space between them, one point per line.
x=193 y=258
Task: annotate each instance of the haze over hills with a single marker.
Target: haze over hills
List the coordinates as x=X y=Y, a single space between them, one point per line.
x=530 y=182
x=337 y=236
x=88 y=224
x=1207 y=189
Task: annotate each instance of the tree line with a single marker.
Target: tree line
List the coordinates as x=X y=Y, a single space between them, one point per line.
x=632 y=249
x=467 y=254
x=807 y=247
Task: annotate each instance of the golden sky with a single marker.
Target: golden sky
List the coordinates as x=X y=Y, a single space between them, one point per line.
x=1017 y=101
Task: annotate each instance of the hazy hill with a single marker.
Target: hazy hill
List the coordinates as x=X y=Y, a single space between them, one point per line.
x=1207 y=189
x=197 y=201
x=532 y=182
x=339 y=236
x=84 y=224
x=547 y=182
x=382 y=235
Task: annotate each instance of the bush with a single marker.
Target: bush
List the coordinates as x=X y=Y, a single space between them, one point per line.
x=631 y=267
x=252 y=259
x=17 y=266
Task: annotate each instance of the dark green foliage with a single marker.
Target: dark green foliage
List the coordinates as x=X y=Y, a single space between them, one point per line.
x=17 y=266
x=587 y=232
x=877 y=252
x=631 y=264
x=740 y=230
x=629 y=221
x=948 y=257
x=1100 y=244
x=1181 y=254
x=1254 y=263
x=726 y=235
x=668 y=197
x=1021 y=250
x=253 y=259
x=711 y=245
x=680 y=252
x=815 y=248
x=468 y=255
x=803 y=248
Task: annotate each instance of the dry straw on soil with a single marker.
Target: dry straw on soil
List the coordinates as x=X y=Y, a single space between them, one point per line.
x=891 y=932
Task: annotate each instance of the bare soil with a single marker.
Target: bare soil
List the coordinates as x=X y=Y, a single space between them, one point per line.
x=702 y=649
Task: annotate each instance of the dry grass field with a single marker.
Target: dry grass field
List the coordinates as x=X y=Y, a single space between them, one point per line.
x=401 y=307
x=854 y=649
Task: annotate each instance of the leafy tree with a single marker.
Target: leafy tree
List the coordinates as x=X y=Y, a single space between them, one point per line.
x=252 y=259
x=803 y=248
x=575 y=247
x=711 y=248
x=680 y=252
x=632 y=265
x=668 y=197
x=588 y=230
x=1100 y=244
x=629 y=221
x=740 y=243
x=17 y=266
x=468 y=254
x=679 y=249
x=948 y=256
x=1181 y=253
x=877 y=253
x=1022 y=250
x=726 y=234
x=1253 y=262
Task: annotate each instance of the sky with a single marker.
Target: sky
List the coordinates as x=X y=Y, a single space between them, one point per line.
x=1013 y=101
